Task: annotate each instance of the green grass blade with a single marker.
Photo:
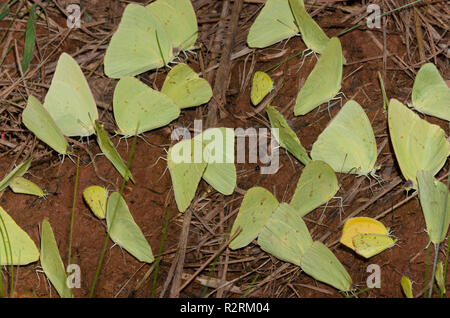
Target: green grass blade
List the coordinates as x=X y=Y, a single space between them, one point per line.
x=30 y=39
x=4 y=13
x=248 y=291
x=158 y=258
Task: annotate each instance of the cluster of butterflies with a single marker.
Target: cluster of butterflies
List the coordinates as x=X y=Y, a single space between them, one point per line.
x=152 y=37
x=347 y=145
x=19 y=249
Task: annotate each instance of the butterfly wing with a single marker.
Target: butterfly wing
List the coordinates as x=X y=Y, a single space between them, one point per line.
x=418 y=145
x=432 y=195
x=69 y=100
x=360 y=225
x=316 y=186
x=320 y=263
x=285 y=235
x=37 y=119
x=186 y=88
x=51 y=261
x=220 y=172
x=273 y=24
x=285 y=136
x=96 y=196
x=256 y=209
x=369 y=245
x=134 y=48
x=137 y=106
x=179 y=20
x=186 y=166
x=348 y=143
x=23 y=250
x=430 y=94
x=124 y=231
x=262 y=84
x=324 y=81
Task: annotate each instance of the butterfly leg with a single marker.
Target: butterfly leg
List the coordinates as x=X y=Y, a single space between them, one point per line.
x=304 y=56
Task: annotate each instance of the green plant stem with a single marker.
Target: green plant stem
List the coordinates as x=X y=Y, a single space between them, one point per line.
x=73 y=211
x=160 y=51
x=251 y=286
x=69 y=260
x=158 y=259
x=105 y=244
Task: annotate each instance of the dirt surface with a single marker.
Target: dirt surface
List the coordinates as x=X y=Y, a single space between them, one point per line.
x=151 y=197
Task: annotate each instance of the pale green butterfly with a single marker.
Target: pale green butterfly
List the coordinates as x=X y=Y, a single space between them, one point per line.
x=256 y=209
x=262 y=84
x=285 y=235
x=185 y=87
x=140 y=44
x=16 y=247
x=418 y=145
x=110 y=152
x=148 y=36
x=433 y=196
x=368 y=245
x=124 y=231
x=313 y=36
x=316 y=186
x=69 y=100
x=321 y=264
x=24 y=186
x=51 y=261
x=430 y=93
x=96 y=196
x=186 y=164
x=273 y=24
x=220 y=172
x=324 y=81
x=137 y=106
x=406 y=284
x=179 y=20
x=348 y=143
x=285 y=136
x=18 y=171
x=37 y=119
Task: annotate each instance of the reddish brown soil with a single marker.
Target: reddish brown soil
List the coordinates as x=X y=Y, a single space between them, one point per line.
x=151 y=196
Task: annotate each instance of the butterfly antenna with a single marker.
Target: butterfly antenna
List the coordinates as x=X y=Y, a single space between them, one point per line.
x=164 y=172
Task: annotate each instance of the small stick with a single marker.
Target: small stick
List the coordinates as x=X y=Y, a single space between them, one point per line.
x=175 y=289
x=201 y=268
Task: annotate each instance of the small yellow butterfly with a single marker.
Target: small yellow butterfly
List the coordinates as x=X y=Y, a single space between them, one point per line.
x=366 y=236
x=261 y=86
x=95 y=196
